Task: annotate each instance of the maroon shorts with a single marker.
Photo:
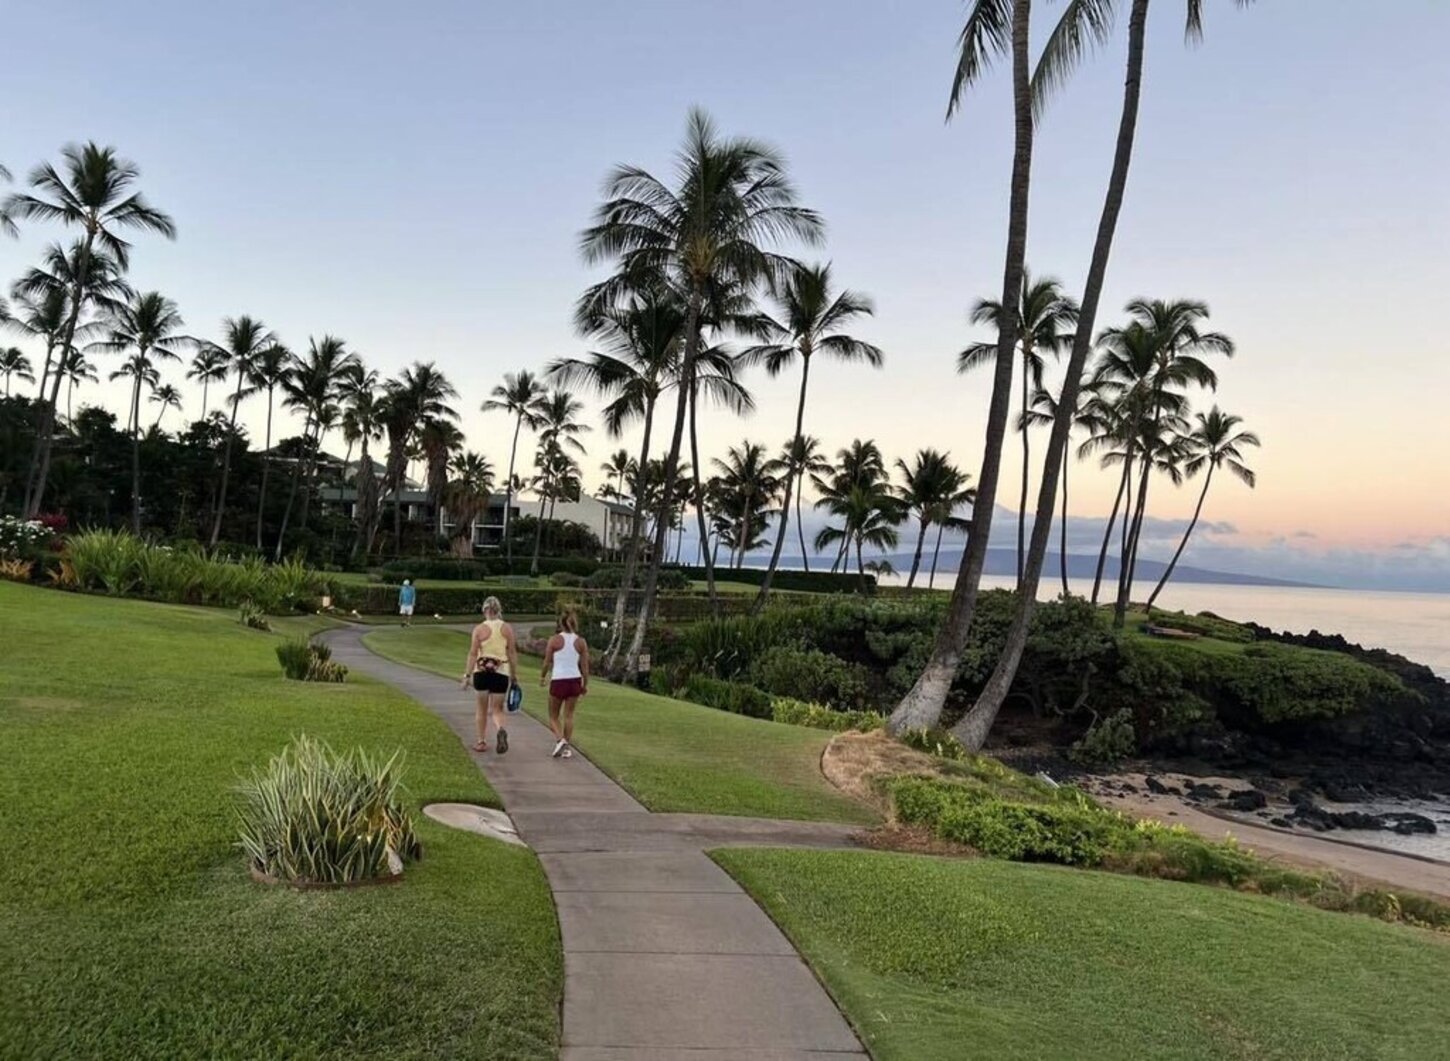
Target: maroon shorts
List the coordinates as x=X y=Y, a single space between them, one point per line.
x=566 y=688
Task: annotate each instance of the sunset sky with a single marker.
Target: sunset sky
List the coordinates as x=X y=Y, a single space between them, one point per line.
x=414 y=177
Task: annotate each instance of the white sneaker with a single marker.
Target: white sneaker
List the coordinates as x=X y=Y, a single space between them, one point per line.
x=568 y=752
x=558 y=748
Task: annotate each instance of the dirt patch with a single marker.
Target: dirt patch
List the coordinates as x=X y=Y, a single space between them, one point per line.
x=913 y=840
x=854 y=761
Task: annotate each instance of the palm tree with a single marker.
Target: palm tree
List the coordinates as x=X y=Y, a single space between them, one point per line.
x=149 y=326
x=312 y=386
x=559 y=431
x=708 y=233
x=74 y=368
x=362 y=410
x=467 y=496
x=93 y=191
x=618 y=470
x=803 y=457
x=519 y=395
x=859 y=464
x=243 y=340
x=438 y=441
x=419 y=395
x=272 y=368
x=1215 y=442
x=869 y=514
x=167 y=397
x=1082 y=24
x=811 y=319
x=993 y=28
x=933 y=488
x=13 y=362
x=42 y=316
x=208 y=365
x=748 y=481
x=955 y=495
x=144 y=373
x=1043 y=413
x=1045 y=317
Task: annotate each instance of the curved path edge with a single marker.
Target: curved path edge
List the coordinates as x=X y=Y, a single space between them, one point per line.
x=665 y=956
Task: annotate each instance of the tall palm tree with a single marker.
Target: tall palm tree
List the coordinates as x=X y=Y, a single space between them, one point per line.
x=749 y=481
x=869 y=514
x=311 y=386
x=467 y=496
x=859 y=464
x=420 y=394
x=559 y=430
x=518 y=395
x=208 y=365
x=932 y=489
x=711 y=230
x=802 y=457
x=1082 y=25
x=438 y=441
x=811 y=319
x=63 y=275
x=42 y=316
x=618 y=471
x=143 y=373
x=94 y=191
x=1045 y=319
x=13 y=362
x=993 y=28
x=75 y=368
x=1043 y=413
x=167 y=397
x=955 y=496
x=1214 y=442
x=362 y=425
x=150 y=326
x=243 y=340
x=272 y=368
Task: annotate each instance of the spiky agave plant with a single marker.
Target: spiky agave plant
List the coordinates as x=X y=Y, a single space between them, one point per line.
x=315 y=816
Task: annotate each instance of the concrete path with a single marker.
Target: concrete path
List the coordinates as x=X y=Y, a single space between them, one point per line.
x=665 y=957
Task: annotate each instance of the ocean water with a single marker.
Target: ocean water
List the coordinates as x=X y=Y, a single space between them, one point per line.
x=1416 y=625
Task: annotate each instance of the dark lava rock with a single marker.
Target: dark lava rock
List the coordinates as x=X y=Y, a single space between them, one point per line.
x=1354 y=819
x=1245 y=800
x=1158 y=788
x=1281 y=822
x=1128 y=786
x=1198 y=790
x=1407 y=824
x=1301 y=797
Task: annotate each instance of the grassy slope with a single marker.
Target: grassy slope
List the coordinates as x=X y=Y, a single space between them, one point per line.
x=129 y=925
x=934 y=958
x=673 y=756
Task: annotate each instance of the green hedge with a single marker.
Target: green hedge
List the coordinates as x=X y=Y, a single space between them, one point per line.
x=735 y=697
x=458 y=570
x=801 y=581
x=792 y=712
x=526 y=600
x=810 y=674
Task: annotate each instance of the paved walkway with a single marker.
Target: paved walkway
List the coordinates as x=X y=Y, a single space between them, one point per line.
x=665 y=957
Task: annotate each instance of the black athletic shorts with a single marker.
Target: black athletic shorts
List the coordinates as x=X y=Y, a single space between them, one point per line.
x=490 y=681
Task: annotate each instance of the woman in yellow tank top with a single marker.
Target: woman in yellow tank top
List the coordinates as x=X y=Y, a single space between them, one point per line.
x=493 y=665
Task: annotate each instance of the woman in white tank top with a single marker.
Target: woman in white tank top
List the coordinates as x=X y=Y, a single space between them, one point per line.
x=566 y=671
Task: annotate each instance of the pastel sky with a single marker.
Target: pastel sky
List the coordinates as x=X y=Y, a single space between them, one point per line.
x=414 y=178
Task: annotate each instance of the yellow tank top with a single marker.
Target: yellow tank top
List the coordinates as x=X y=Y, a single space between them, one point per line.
x=494 y=646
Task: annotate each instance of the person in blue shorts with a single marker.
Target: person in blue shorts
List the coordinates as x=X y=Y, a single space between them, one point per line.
x=407 y=597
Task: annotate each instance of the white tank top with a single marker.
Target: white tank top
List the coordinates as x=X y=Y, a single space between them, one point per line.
x=566 y=659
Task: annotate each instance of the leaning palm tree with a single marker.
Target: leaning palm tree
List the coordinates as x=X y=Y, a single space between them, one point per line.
x=13 y=362
x=993 y=28
x=1215 y=442
x=94 y=191
x=150 y=326
x=42 y=315
x=75 y=368
x=166 y=397
x=208 y=365
x=271 y=369
x=709 y=230
x=518 y=395
x=243 y=340
x=1082 y=24
x=1045 y=319
x=956 y=495
x=1042 y=413
x=812 y=319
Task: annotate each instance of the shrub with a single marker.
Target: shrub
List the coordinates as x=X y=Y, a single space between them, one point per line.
x=566 y=579
x=819 y=716
x=252 y=617
x=309 y=661
x=436 y=567
x=727 y=647
x=810 y=674
x=802 y=581
x=1108 y=740
x=936 y=742
x=314 y=816
x=1205 y=623
x=25 y=539
x=16 y=569
x=735 y=697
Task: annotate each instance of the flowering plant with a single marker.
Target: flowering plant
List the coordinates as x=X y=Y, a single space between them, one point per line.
x=22 y=539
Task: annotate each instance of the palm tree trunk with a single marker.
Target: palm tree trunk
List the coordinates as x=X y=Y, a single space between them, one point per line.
x=292 y=494
x=698 y=485
x=921 y=708
x=1197 y=510
x=800 y=524
x=539 y=531
x=972 y=730
x=508 y=502
x=1026 y=465
x=672 y=460
x=1062 y=528
x=69 y=390
x=1108 y=530
x=266 y=467
x=916 y=558
x=860 y=568
x=205 y=387
x=44 y=438
x=221 y=500
x=800 y=415
x=1130 y=555
x=636 y=531
x=136 y=457
x=931 y=579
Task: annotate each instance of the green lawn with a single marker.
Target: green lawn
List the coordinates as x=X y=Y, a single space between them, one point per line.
x=673 y=756
x=934 y=958
x=129 y=925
